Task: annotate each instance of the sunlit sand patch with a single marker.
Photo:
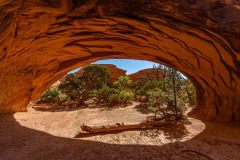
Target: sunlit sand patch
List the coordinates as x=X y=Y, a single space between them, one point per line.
x=68 y=124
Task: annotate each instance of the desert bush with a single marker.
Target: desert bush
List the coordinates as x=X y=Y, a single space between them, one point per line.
x=190 y=92
x=126 y=96
x=62 y=98
x=82 y=88
x=156 y=102
x=141 y=91
x=161 y=103
x=121 y=93
x=53 y=95
x=123 y=82
x=123 y=97
x=73 y=87
x=94 y=76
x=102 y=94
x=166 y=96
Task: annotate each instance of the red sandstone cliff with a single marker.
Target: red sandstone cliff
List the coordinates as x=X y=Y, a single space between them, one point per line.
x=148 y=73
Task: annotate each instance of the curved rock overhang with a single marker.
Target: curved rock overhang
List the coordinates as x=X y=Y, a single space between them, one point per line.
x=41 y=40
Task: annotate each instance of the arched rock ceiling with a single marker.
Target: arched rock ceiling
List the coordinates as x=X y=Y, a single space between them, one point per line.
x=41 y=40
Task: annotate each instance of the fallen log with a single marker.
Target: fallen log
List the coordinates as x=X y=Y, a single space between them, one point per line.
x=122 y=127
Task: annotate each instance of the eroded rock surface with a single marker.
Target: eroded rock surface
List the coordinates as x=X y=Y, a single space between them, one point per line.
x=41 y=40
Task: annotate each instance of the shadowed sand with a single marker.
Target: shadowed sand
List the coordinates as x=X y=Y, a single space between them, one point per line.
x=48 y=135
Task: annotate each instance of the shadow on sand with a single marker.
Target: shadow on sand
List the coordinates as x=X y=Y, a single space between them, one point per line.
x=21 y=143
x=73 y=107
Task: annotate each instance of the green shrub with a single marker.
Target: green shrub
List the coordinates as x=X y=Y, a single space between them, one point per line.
x=102 y=93
x=53 y=95
x=126 y=96
x=191 y=92
x=73 y=87
x=123 y=82
x=123 y=97
x=50 y=96
x=156 y=102
x=62 y=98
x=94 y=76
x=142 y=89
x=121 y=93
x=89 y=84
x=161 y=102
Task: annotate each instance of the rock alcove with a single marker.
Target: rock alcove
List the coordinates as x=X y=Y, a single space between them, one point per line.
x=42 y=40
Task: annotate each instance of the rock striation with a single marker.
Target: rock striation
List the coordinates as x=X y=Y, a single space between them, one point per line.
x=42 y=40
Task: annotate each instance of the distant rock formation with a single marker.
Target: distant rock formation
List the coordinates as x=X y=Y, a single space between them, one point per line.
x=114 y=71
x=149 y=73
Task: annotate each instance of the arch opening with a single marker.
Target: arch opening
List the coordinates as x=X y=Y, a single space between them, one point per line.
x=133 y=107
x=143 y=76
x=153 y=72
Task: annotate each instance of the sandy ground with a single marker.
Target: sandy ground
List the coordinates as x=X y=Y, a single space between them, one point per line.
x=49 y=135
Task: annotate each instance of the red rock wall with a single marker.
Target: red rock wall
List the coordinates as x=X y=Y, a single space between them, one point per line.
x=41 y=40
x=148 y=73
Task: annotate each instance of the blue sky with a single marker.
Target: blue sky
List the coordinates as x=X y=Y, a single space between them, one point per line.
x=131 y=66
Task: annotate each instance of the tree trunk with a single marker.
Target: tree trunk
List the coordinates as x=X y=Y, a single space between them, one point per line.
x=174 y=90
x=122 y=127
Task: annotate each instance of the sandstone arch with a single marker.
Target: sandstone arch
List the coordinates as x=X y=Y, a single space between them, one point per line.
x=42 y=40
